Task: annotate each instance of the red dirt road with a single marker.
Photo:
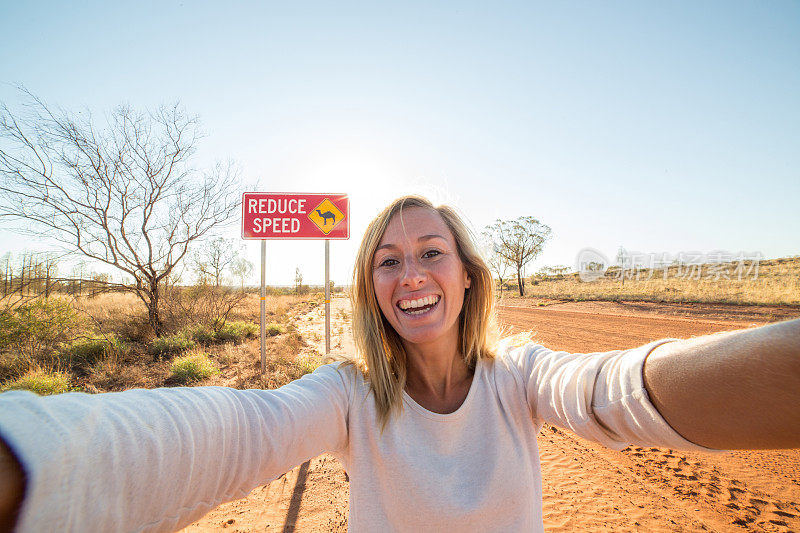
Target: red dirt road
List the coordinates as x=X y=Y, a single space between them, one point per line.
x=586 y=487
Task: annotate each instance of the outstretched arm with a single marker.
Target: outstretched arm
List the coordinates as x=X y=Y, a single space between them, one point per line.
x=155 y=460
x=733 y=390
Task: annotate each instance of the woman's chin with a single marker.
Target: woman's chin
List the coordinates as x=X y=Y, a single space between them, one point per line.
x=428 y=335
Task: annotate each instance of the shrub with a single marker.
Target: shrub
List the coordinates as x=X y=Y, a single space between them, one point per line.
x=170 y=345
x=133 y=326
x=201 y=334
x=192 y=367
x=89 y=350
x=237 y=331
x=40 y=382
x=306 y=365
x=274 y=329
x=35 y=329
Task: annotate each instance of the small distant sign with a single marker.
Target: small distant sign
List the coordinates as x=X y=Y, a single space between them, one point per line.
x=295 y=216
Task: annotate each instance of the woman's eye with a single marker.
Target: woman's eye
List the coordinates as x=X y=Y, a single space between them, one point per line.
x=388 y=262
x=431 y=253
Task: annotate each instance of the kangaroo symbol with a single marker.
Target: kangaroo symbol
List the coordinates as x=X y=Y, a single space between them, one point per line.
x=325 y=216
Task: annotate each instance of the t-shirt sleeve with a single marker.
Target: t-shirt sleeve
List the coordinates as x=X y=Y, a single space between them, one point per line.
x=599 y=396
x=156 y=460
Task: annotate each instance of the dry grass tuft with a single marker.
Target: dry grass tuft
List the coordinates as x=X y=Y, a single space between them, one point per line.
x=193 y=367
x=41 y=382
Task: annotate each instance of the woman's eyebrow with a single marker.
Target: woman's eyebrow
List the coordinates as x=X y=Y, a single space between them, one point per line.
x=384 y=246
x=422 y=238
x=431 y=236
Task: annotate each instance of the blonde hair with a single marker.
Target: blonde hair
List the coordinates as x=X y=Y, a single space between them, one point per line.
x=381 y=355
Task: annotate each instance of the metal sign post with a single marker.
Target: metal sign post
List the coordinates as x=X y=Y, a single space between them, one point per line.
x=327 y=297
x=263 y=306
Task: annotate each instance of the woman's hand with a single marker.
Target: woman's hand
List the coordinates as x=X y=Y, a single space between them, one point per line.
x=733 y=390
x=12 y=487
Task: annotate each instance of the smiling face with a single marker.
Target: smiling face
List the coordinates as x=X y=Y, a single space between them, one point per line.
x=419 y=279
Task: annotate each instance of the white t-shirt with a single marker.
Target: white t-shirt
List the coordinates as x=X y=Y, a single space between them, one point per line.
x=156 y=460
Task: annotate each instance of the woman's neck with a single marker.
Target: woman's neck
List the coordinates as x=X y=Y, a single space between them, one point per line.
x=437 y=377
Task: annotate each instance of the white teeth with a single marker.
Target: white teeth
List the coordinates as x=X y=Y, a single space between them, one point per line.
x=420 y=302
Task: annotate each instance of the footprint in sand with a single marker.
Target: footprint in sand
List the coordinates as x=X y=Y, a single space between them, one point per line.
x=732 y=498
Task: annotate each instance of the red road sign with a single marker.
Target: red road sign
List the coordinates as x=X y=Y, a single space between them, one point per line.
x=279 y=215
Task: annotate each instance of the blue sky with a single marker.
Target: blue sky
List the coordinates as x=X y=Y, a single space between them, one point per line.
x=659 y=126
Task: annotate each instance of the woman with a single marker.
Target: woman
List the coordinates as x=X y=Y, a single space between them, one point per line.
x=436 y=429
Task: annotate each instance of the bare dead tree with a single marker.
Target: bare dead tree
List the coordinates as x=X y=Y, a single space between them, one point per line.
x=124 y=194
x=214 y=257
x=241 y=269
x=519 y=242
x=50 y=271
x=7 y=274
x=497 y=264
x=298 y=280
x=22 y=270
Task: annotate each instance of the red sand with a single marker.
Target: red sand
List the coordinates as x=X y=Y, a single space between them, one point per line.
x=586 y=487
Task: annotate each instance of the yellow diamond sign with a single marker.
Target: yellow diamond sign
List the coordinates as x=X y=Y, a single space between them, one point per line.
x=326 y=216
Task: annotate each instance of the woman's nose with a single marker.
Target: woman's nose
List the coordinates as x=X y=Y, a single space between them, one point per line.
x=413 y=275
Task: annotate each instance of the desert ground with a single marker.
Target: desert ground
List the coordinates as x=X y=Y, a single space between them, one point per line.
x=586 y=487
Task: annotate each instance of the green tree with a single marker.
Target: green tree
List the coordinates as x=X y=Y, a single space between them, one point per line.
x=519 y=242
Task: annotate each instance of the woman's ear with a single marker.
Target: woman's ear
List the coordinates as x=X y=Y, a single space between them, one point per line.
x=467 y=280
